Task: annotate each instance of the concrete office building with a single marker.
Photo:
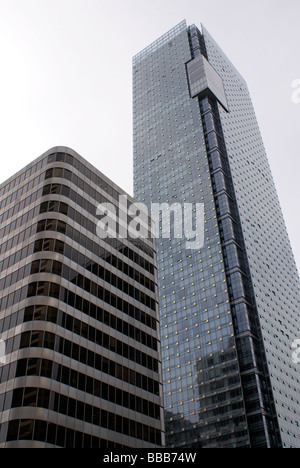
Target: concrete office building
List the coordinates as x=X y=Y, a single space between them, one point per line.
x=229 y=309
x=79 y=315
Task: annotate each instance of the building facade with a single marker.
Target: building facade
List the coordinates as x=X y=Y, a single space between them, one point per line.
x=79 y=315
x=229 y=308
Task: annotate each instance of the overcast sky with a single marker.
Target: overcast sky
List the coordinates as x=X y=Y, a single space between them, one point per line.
x=66 y=78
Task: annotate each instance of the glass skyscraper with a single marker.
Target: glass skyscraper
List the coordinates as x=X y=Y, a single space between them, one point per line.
x=79 y=315
x=230 y=308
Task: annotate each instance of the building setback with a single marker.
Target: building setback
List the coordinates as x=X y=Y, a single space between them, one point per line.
x=79 y=315
x=229 y=309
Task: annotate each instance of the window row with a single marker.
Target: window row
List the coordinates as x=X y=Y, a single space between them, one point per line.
x=74 y=300
x=21 y=192
x=57 y=268
x=15 y=277
x=19 y=255
x=62 y=248
x=21 y=205
x=102 y=364
x=24 y=203
x=86 y=242
x=82 y=382
x=70 y=407
x=11 y=321
x=55 y=206
x=20 y=237
x=25 y=175
x=20 y=221
x=54 y=315
x=86 y=171
x=83 y=202
x=41 y=339
x=66 y=191
x=52 y=245
x=44 y=288
x=43 y=431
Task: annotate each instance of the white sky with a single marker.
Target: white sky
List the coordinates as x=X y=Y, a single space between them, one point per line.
x=66 y=78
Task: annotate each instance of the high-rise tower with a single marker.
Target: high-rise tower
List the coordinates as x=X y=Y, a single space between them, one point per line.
x=78 y=315
x=230 y=308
